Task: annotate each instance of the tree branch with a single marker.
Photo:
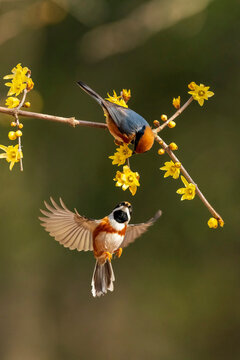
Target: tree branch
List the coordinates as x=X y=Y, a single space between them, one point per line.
x=188 y=177
x=71 y=121
x=176 y=114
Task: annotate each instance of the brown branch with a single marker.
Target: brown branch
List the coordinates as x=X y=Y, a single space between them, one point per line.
x=188 y=177
x=71 y=121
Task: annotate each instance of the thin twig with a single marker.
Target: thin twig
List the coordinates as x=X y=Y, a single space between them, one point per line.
x=176 y=114
x=188 y=177
x=71 y=121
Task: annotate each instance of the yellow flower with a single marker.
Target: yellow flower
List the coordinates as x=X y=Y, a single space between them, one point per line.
x=126 y=94
x=12 y=102
x=212 y=223
x=116 y=99
x=19 y=80
x=176 y=102
x=119 y=157
x=171 y=169
x=18 y=70
x=16 y=86
x=188 y=193
x=12 y=154
x=201 y=93
x=124 y=151
x=127 y=179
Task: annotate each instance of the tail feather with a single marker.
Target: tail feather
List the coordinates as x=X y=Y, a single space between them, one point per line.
x=91 y=92
x=103 y=278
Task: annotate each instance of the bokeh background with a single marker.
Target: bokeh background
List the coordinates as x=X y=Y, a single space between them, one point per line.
x=177 y=290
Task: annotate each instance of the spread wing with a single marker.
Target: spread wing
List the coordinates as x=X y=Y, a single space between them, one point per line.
x=127 y=120
x=68 y=228
x=134 y=231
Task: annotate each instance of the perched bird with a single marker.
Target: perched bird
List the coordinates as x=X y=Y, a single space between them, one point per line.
x=124 y=124
x=104 y=237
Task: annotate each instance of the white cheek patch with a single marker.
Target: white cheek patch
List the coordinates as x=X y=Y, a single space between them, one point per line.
x=116 y=225
x=128 y=214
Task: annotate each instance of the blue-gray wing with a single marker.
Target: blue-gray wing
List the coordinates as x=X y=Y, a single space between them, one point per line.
x=127 y=120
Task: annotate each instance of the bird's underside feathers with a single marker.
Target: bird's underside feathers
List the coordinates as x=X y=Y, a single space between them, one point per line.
x=68 y=228
x=75 y=231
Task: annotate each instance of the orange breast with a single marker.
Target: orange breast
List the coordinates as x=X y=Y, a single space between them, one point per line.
x=106 y=227
x=146 y=141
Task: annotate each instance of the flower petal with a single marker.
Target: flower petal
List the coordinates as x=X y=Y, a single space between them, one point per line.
x=11 y=165
x=184 y=181
x=3 y=147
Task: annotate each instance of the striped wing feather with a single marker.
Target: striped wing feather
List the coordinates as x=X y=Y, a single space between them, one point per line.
x=136 y=230
x=70 y=229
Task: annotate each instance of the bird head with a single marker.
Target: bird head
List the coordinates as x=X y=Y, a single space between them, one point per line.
x=122 y=212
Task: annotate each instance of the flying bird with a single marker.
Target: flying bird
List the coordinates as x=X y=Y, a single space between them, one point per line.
x=105 y=237
x=125 y=125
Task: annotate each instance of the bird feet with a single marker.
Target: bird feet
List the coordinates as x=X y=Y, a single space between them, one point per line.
x=118 y=252
x=108 y=255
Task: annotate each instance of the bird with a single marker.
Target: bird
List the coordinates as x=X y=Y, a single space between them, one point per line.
x=105 y=237
x=124 y=124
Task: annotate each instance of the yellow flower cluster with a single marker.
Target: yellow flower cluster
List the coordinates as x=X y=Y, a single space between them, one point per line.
x=127 y=179
x=121 y=99
x=20 y=80
x=173 y=169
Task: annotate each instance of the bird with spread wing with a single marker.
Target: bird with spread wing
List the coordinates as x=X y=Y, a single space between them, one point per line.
x=104 y=237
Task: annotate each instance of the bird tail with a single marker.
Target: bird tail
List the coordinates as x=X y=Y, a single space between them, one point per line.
x=91 y=92
x=103 y=278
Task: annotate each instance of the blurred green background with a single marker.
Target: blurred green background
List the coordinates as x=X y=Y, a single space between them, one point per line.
x=177 y=289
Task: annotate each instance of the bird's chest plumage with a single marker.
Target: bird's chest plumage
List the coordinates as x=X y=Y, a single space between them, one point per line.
x=108 y=241
x=107 y=237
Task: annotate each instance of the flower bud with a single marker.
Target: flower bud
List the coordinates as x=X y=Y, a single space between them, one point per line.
x=221 y=222
x=156 y=123
x=12 y=135
x=212 y=223
x=18 y=133
x=176 y=102
x=161 y=151
x=192 y=85
x=173 y=146
x=164 y=117
x=171 y=124
x=178 y=164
